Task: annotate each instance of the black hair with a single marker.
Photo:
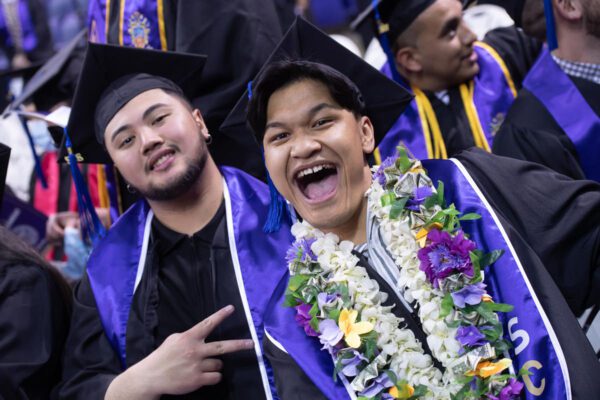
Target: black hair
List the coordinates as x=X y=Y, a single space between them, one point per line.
x=281 y=74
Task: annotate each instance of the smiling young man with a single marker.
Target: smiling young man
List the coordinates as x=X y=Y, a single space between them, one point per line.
x=317 y=129
x=173 y=297
x=462 y=88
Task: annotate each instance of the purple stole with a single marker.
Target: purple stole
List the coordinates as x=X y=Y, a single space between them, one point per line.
x=492 y=97
x=116 y=264
x=96 y=21
x=28 y=37
x=555 y=90
x=535 y=345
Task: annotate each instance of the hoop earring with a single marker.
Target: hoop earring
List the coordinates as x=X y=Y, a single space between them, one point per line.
x=130 y=189
x=209 y=139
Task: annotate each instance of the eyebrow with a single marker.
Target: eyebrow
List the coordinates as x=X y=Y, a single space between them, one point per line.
x=449 y=25
x=145 y=115
x=311 y=113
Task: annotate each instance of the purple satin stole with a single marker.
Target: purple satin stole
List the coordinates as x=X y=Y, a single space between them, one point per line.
x=555 y=90
x=96 y=21
x=113 y=265
x=492 y=98
x=526 y=324
x=141 y=25
x=28 y=36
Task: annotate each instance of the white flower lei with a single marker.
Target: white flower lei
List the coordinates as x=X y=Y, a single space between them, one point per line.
x=398 y=349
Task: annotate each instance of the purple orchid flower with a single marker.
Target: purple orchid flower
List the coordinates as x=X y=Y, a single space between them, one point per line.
x=303 y=319
x=350 y=364
x=445 y=255
x=470 y=294
x=301 y=250
x=470 y=336
x=379 y=175
x=330 y=333
x=419 y=196
x=511 y=391
x=378 y=384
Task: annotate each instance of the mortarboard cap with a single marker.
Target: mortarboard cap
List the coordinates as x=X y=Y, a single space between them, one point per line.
x=113 y=75
x=384 y=99
x=397 y=14
x=4 y=156
x=55 y=81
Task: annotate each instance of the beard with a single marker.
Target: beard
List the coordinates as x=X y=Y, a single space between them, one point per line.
x=180 y=185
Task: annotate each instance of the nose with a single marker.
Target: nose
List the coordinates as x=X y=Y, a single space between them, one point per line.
x=467 y=36
x=304 y=145
x=149 y=139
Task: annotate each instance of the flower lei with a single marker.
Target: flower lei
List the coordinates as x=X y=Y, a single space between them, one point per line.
x=440 y=273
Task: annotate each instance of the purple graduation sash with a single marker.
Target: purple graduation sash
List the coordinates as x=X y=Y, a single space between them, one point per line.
x=116 y=264
x=141 y=24
x=535 y=345
x=493 y=95
x=555 y=90
x=96 y=21
x=28 y=37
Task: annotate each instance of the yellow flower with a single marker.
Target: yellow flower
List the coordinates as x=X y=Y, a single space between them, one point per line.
x=487 y=298
x=351 y=328
x=421 y=235
x=486 y=369
x=405 y=391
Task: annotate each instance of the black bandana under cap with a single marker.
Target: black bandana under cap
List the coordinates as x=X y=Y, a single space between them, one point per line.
x=121 y=91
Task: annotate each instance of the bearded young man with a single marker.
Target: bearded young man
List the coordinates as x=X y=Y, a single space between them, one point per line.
x=173 y=297
x=368 y=309
x=555 y=120
x=462 y=88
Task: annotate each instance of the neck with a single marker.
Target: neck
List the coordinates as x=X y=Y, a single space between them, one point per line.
x=192 y=211
x=578 y=46
x=354 y=230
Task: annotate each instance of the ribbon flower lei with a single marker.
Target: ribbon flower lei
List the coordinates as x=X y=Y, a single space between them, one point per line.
x=440 y=275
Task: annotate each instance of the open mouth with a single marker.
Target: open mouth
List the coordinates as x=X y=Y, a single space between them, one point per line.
x=318 y=183
x=162 y=161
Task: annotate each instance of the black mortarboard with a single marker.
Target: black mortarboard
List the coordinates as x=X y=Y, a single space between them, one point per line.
x=397 y=14
x=113 y=75
x=384 y=99
x=4 y=156
x=55 y=81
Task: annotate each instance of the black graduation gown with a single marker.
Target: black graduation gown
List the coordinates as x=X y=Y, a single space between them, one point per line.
x=518 y=51
x=531 y=133
x=185 y=280
x=554 y=225
x=237 y=36
x=34 y=321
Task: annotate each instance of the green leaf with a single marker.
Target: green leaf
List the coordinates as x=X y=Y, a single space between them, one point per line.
x=290 y=301
x=334 y=314
x=297 y=281
x=398 y=207
x=314 y=310
x=447 y=305
x=387 y=199
x=392 y=376
x=501 y=346
x=431 y=201
x=403 y=162
x=440 y=193
x=420 y=391
x=475 y=257
x=491 y=258
x=470 y=217
x=486 y=313
x=314 y=323
x=497 y=307
x=492 y=334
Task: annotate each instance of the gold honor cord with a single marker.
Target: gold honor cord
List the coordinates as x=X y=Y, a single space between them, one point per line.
x=121 y=17
x=106 y=20
x=161 y=25
x=466 y=94
x=436 y=148
x=500 y=61
x=102 y=188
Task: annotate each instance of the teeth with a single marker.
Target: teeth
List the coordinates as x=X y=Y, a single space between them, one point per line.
x=313 y=170
x=161 y=160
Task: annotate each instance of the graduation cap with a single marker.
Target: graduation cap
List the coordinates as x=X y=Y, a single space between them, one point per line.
x=55 y=80
x=4 y=156
x=395 y=15
x=384 y=99
x=113 y=75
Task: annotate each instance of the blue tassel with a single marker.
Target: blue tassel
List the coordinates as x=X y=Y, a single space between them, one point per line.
x=387 y=49
x=277 y=209
x=37 y=164
x=91 y=227
x=550 y=26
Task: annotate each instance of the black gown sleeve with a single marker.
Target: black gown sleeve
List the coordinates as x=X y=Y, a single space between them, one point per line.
x=518 y=50
x=33 y=327
x=530 y=133
x=90 y=362
x=558 y=217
